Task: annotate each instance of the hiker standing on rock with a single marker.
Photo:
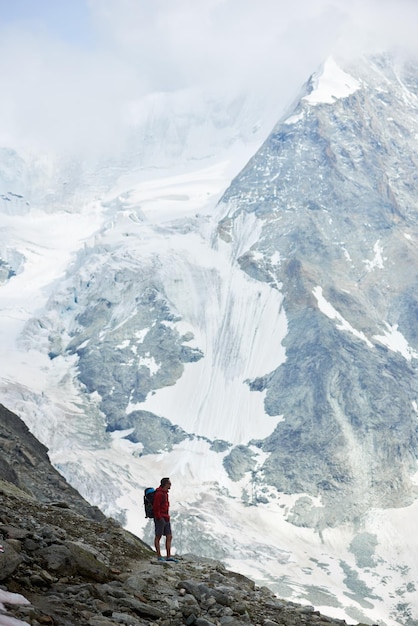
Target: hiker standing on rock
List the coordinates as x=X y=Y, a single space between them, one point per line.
x=161 y=507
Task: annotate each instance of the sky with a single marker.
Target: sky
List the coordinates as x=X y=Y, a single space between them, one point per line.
x=74 y=67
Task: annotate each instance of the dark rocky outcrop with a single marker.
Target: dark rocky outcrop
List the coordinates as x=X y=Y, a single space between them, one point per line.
x=24 y=462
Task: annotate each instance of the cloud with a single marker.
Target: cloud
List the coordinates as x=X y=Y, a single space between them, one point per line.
x=57 y=95
x=376 y=25
x=186 y=42
x=70 y=83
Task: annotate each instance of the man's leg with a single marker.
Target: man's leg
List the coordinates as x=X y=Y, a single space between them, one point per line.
x=159 y=531
x=157 y=545
x=168 y=540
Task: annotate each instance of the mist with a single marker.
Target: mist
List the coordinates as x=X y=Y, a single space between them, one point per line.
x=71 y=81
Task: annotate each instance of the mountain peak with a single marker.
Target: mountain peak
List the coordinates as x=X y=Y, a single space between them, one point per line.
x=330 y=83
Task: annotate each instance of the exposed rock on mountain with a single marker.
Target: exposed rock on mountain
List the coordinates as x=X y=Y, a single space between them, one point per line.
x=24 y=462
x=334 y=190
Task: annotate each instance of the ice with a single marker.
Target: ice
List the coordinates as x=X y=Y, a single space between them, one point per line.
x=331 y=84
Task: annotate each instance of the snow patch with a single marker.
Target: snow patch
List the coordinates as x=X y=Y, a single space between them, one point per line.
x=293 y=119
x=331 y=84
x=173 y=197
x=150 y=363
x=123 y=344
x=11 y=598
x=327 y=309
x=233 y=316
x=377 y=261
x=395 y=341
x=141 y=334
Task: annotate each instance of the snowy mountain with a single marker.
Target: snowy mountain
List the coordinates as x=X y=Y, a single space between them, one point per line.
x=237 y=311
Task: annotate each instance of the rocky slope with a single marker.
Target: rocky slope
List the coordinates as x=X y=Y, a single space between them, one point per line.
x=24 y=463
x=335 y=196
x=63 y=563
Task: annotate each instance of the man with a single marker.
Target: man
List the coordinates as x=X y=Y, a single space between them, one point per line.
x=161 y=509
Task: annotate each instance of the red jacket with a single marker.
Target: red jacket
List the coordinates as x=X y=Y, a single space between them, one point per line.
x=161 y=504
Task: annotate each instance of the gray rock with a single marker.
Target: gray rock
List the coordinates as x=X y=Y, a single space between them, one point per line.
x=58 y=559
x=100 y=620
x=142 y=608
x=126 y=618
x=12 y=532
x=9 y=561
x=86 y=561
x=239 y=461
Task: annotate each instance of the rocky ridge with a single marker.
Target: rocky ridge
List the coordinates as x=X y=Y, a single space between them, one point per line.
x=63 y=563
x=337 y=209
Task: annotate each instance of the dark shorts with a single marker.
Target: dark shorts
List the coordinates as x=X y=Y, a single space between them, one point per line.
x=162 y=527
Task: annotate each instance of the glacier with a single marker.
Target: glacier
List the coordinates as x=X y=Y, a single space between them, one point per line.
x=235 y=309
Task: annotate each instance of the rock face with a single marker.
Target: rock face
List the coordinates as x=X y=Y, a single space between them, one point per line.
x=24 y=462
x=337 y=209
x=60 y=566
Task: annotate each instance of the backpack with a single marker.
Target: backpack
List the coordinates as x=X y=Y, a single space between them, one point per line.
x=149 y=493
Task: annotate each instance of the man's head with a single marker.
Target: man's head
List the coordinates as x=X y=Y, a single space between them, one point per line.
x=165 y=483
